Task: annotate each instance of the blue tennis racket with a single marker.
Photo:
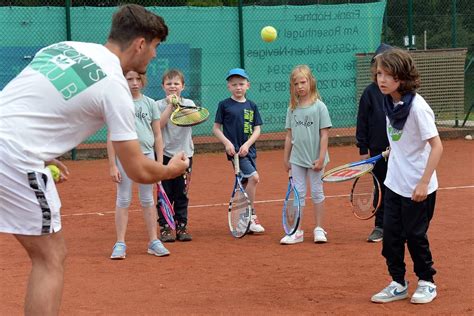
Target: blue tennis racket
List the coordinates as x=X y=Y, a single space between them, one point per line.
x=240 y=208
x=291 y=208
x=353 y=170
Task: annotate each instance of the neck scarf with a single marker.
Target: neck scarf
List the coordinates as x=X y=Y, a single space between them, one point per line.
x=398 y=115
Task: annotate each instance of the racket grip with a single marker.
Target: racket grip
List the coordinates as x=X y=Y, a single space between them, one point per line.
x=236 y=164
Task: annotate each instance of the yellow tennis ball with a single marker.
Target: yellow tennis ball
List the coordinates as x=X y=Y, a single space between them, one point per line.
x=55 y=172
x=268 y=34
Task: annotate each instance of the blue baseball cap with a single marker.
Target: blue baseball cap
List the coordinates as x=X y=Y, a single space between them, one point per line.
x=237 y=72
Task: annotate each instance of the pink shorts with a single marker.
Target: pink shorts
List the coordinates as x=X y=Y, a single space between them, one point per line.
x=29 y=201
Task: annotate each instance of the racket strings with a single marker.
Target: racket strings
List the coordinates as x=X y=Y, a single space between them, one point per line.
x=364 y=196
x=189 y=116
x=240 y=213
x=338 y=175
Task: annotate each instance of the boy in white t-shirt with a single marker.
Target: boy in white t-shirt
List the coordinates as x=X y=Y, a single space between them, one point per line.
x=67 y=92
x=411 y=182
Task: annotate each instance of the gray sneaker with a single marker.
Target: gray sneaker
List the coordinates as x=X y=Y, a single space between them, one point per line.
x=376 y=235
x=393 y=292
x=156 y=248
x=425 y=293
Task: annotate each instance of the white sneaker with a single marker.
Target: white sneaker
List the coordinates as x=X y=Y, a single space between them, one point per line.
x=255 y=226
x=425 y=293
x=295 y=238
x=320 y=235
x=393 y=292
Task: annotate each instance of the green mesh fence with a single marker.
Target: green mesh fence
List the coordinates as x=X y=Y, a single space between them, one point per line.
x=205 y=42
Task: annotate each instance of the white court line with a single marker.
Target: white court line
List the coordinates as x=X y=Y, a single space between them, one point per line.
x=256 y=202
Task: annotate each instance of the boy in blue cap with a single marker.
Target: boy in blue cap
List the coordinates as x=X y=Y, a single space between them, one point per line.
x=237 y=126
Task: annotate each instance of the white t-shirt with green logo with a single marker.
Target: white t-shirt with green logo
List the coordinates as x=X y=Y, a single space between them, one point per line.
x=410 y=150
x=67 y=92
x=305 y=124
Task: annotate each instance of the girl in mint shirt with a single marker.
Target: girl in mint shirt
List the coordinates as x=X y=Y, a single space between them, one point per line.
x=306 y=146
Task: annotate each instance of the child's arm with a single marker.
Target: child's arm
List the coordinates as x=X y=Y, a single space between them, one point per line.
x=229 y=147
x=421 y=190
x=244 y=149
x=287 y=150
x=323 y=148
x=165 y=115
x=156 y=126
x=113 y=170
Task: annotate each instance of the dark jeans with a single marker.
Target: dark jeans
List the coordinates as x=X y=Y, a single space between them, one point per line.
x=408 y=221
x=176 y=191
x=380 y=172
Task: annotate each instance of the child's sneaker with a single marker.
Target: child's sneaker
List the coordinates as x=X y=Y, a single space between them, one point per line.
x=156 y=248
x=320 y=235
x=295 y=238
x=119 y=251
x=255 y=226
x=393 y=292
x=376 y=235
x=166 y=234
x=425 y=293
x=182 y=233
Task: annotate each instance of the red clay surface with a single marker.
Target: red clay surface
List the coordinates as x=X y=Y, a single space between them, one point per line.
x=217 y=274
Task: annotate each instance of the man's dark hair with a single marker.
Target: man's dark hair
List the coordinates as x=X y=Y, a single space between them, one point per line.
x=132 y=21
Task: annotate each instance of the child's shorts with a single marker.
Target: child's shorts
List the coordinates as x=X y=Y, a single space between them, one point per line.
x=29 y=201
x=248 y=167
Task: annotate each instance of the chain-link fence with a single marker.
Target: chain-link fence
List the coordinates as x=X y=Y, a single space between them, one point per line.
x=207 y=38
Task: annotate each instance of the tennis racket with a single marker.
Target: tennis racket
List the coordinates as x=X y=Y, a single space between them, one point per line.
x=353 y=170
x=165 y=206
x=291 y=208
x=187 y=115
x=365 y=196
x=240 y=208
x=187 y=180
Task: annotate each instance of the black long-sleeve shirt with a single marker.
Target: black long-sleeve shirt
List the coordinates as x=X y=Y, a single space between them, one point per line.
x=371 y=133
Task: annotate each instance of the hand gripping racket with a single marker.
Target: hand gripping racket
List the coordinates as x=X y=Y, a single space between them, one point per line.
x=291 y=208
x=165 y=206
x=240 y=208
x=366 y=196
x=353 y=170
x=187 y=115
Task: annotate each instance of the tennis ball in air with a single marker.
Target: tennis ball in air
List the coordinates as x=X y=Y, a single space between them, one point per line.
x=55 y=172
x=268 y=34
x=468 y=137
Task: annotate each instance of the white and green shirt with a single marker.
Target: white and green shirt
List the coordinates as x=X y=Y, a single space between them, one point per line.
x=67 y=92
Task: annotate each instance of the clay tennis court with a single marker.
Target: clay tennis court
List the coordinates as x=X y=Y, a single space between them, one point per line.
x=217 y=274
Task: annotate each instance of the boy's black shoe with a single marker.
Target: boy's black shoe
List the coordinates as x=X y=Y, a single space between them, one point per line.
x=166 y=234
x=182 y=233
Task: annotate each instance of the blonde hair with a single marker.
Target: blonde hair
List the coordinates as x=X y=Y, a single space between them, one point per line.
x=305 y=71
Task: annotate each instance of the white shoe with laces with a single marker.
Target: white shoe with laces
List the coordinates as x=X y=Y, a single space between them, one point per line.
x=255 y=226
x=425 y=293
x=295 y=238
x=320 y=235
x=393 y=292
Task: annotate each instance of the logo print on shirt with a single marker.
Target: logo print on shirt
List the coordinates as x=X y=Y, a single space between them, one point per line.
x=394 y=133
x=305 y=123
x=69 y=71
x=248 y=120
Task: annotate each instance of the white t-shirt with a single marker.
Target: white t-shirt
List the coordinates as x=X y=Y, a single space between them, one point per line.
x=67 y=92
x=176 y=138
x=410 y=150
